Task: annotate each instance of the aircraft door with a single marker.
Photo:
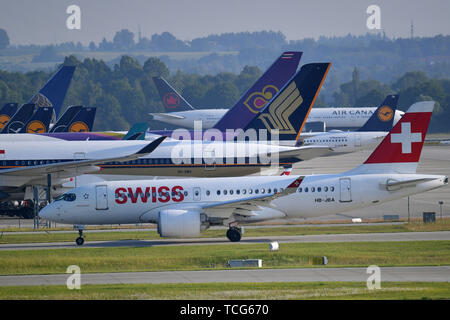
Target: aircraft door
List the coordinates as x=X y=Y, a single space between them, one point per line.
x=357 y=140
x=101 y=197
x=345 y=190
x=197 y=194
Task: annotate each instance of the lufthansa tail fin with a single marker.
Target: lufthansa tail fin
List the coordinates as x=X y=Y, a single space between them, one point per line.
x=383 y=117
x=39 y=121
x=400 y=150
x=65 y=118
x=6 y=112
x=83 y=120
x=263 y=90
x=287 y=112
x=171 y=99
x=19 y=118
x=54 y=91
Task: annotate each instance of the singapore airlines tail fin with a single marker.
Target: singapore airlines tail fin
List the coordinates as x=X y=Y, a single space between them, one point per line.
x=400 y=150
x=171 y=99
x=83 y=120
x=65 y=118
x=383 y=117
x=39 y=121
x=19 y=118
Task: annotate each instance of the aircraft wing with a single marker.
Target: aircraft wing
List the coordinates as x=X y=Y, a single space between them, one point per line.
x=167 y=115
x=305 y=152
x=247 y=205
x=77 y=167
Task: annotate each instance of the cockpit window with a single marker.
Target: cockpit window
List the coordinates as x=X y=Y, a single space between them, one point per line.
x=67 y=197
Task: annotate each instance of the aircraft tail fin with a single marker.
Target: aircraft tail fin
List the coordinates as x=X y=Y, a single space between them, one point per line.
x=6 y=112
x=52 y=94
x=39 y=121
x=83 y=120
x=171 y=99
x=383 y=117
x=136 y=132
x=263 y=90
x=65 y=118
x=19 y=118
x=287 y=112
x=400 y=150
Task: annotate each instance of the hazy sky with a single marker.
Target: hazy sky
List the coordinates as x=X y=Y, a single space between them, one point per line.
x=44 y=21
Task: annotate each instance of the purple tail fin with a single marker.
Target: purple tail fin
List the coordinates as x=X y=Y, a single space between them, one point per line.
x=254 y=100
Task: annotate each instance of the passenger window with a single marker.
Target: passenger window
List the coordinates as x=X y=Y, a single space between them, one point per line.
x=218 y=192
x=238 y=191
x=319 y=189
x=332 y=189
x=299 y=189
x=256 y=191
x=208 y=193
x=306 y=189
x=244 y=191
x=325 y=189
x=225 y=192
x=313 y=189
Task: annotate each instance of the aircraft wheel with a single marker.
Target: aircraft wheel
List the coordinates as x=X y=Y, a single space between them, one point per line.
x=234 y=234
x=79 y=241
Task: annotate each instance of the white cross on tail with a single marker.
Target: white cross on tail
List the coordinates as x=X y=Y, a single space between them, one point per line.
x=406 y=138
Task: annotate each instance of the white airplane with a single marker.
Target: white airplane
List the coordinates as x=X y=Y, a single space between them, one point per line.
x=183 y=208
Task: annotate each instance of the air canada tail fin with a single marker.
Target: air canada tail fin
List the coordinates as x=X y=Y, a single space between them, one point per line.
x=83 y=120
x=263 y=90
x=383 y=117
x=39 y=121
x=65 y=118
x=6 y=112
x=400 y=150
x=52 y=94
x=136 y=132
x=288 y=110
x=171 y=99
x=19 y=118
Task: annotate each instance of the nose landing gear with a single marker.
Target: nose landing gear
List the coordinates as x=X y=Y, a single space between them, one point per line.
x=80 y=240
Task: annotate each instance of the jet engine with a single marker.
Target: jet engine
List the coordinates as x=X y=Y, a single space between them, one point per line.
x=181 y=223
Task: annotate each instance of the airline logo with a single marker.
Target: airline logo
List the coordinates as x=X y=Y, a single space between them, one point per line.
x=406 y=137
x=36 y=126
x=171 y=100
x=281 y=109
x=79 y=126
x=149 y=194
x=41 y=101
x=385 y=113
x=257 y=100
x=4 y=118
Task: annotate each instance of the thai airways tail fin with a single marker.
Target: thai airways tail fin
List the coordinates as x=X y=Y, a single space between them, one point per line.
x=171 y=99
x=287 y=112
x=400 y=150
x=19 y=118
x=6 y=112
x=383 y=117
x=83 y=120
x=39 y=121
x=136 y=132
x=52 y=94
x=263 y=90
x=65 y=118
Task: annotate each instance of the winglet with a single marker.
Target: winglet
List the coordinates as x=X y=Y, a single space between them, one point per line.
x=151 y=146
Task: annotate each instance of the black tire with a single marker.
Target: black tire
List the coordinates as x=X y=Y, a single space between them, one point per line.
x=234 y=234
x=79 y=241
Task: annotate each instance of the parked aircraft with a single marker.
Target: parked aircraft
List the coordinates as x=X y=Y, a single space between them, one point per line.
x=6 y=112
x=183 y=208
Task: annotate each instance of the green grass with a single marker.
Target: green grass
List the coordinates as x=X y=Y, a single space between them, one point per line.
x=151 y=234
x=204 y=257
x=230 y=291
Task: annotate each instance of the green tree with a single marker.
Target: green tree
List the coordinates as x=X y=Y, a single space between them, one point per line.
x=123 y=40
x=4 y=39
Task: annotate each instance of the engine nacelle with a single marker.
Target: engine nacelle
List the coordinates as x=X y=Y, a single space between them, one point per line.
x=179 y=223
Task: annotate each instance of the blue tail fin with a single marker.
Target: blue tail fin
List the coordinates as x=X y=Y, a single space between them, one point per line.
x=383 y=117
x=171 y=99
x=288 y=110
x=65 y=118
x=137 y=132
x=6 y=112
x=39 y=121
x=83 y=121
x=19 y=118
x=54 y=91
x=253 y=101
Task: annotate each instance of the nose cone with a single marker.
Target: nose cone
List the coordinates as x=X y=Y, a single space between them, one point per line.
x=48 y=212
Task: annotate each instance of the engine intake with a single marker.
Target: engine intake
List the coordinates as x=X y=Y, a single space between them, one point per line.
x=179 y=223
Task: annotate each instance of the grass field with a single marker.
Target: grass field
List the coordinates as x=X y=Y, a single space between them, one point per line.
x=204 y=257
x=151 y=234
x=229 y=291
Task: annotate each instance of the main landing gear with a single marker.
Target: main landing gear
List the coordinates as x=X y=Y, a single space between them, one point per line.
x=234 y=234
